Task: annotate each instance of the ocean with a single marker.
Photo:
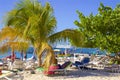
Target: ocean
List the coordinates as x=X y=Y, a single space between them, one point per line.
x=81 y=51
x=61 y=50
x=18 y=54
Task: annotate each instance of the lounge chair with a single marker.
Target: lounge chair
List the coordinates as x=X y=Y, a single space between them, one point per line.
x=100 y=62
x=30 y=64
x=10 y=75
x=5 y=74
x=60 y=68
x=82 y=64
x=17 y=64
x=113 y=68
x=3 y=64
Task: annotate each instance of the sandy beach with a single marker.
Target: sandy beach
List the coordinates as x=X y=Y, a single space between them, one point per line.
x=73 y=74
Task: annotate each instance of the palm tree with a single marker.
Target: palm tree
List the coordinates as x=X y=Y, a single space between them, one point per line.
x=36 y=25
x=12 y=40
x=36 y=22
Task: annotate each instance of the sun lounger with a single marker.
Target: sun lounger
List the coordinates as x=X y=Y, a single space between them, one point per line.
x=17 y=64
x=10 y=75
x=101 y=62
x=112 y=68
x=30 y=64
x=3 y=64
x=82 y=64
x=63 y=68
x=58 y=68
x=6 y=74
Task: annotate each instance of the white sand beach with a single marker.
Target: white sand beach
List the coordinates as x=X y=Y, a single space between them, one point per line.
x=74 y=74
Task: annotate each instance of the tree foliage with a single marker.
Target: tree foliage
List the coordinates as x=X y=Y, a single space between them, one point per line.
x=32 y=23
x=35 y=24
x=101 y=30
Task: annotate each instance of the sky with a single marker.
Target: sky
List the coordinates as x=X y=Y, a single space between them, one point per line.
x=64 y=10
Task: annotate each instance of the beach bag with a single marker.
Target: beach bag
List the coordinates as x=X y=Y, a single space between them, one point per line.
x=51 y=69
x=48 y=73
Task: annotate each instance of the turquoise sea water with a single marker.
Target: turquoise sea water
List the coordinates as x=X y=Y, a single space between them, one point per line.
x=62 y=50
x=82 y=51
x=18 y=54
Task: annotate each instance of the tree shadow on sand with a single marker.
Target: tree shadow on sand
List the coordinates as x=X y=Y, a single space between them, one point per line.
x=75 y=73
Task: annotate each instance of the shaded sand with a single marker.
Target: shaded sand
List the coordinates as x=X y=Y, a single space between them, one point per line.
x=74 y=74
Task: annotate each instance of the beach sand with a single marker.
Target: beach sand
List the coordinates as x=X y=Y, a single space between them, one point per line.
x=73 y=74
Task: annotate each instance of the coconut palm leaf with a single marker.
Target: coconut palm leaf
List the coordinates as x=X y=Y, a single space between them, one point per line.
x=11 y=38
x=72 y=35
x=4 y=49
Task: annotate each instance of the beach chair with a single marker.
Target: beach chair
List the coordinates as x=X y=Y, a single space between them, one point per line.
x=3 y=64
x=10 y=75
x=100 y=62
x=6 y=74
x=30 y=64
x=60 y=68
x=82 y=64
x=113 y=68
x=17 y=64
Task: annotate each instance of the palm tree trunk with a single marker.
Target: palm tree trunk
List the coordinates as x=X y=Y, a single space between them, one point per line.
x=49 y=58
x=39 y=61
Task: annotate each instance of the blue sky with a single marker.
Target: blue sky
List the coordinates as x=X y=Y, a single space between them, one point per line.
x=64 y=10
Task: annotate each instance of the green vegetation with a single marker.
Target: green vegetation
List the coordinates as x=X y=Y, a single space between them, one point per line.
x=33 y=24
x=101 y=30
x=30 y=23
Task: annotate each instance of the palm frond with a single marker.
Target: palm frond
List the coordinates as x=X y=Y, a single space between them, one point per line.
x=4 y=48
x=68 y=34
